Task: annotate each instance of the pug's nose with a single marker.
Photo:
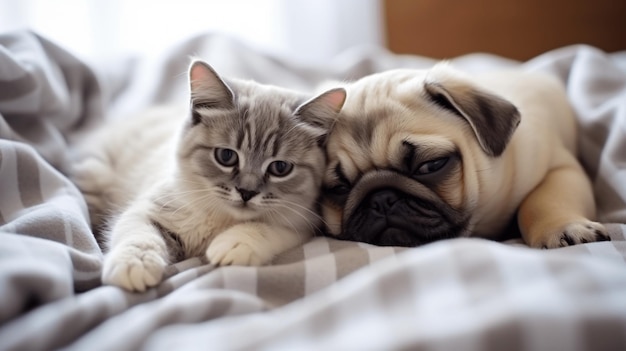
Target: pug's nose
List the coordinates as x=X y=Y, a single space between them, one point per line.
x=246 y=194
x=382 y=200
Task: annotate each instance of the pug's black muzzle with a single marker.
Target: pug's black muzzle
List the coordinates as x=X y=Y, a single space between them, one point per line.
x=390 y=210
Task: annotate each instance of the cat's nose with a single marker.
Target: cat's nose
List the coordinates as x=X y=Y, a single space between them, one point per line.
x=246 y=194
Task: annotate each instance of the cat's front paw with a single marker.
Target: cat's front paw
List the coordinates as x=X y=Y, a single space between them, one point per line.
x=580 y=232
x=133 y=268
x=238 y=248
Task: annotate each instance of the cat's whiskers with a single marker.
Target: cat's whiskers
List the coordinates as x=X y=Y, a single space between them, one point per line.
x=209 y=194
x=216 y=188
x=174 y=196
x=306 y=220
x=286 y=204
x=295 y=229
x=178 y=193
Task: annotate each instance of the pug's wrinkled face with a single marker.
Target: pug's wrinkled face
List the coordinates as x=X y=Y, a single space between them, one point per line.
x=404 y=158
x=393 y=185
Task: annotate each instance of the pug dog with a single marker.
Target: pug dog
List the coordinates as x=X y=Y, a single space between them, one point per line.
x=422 y=155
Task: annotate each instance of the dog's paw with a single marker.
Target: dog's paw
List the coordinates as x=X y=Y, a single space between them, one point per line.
x=133 y=268
x=580 y=232
x=238 y=248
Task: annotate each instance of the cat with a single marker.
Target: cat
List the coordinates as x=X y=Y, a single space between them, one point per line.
x=235 y=177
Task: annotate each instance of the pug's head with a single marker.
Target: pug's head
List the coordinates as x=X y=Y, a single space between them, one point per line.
x=409 y=154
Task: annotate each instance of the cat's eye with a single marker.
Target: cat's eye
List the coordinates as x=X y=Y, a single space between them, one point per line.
x=280 y=168
x=226 y=157
x=432 y=166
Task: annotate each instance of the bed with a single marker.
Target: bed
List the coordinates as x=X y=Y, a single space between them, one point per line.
x=460 y=294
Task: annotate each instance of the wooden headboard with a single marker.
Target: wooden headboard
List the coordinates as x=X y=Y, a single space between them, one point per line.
x=518 y=29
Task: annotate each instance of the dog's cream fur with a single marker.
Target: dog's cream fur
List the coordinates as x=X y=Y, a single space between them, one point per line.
x=535 y=176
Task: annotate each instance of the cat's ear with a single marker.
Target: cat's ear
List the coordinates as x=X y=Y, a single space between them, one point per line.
x=208 y=90
x=322 y=111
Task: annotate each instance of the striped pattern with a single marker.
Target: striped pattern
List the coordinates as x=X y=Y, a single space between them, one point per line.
x=462 y=294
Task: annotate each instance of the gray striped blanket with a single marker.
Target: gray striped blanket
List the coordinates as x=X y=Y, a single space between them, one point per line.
x=461 y=294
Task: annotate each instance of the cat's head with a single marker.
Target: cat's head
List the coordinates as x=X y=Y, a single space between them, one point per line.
x=255 y=151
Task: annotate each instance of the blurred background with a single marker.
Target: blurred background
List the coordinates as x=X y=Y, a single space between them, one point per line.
x=303 y=30
x=313 y=31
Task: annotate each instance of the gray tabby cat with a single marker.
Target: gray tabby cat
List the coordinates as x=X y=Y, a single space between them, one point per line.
x=236 y=178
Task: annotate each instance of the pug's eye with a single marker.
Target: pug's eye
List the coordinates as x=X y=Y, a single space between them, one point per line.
x=226 y=157
x=280 y=168
x=337 y=194
x=432 y=166
x=340 y=189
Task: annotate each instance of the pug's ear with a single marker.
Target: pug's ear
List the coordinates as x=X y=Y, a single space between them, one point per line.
x=321 y=112
x=492 y=118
